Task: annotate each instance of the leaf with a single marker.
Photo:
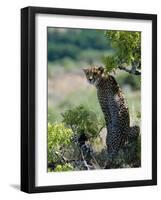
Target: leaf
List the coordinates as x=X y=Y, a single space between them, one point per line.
x=127 y=47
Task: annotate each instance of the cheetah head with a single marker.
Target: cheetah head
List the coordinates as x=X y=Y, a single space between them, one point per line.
x=94 y=74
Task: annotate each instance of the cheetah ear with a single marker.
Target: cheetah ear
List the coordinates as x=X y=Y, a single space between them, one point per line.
x=84 y=69
x=101 y=69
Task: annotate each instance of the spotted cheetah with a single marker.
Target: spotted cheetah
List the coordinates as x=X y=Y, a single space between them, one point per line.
x=114 y=108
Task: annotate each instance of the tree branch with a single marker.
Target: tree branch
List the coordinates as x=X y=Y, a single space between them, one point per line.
x=63 y=157
x=84 y=161
x=133 y=70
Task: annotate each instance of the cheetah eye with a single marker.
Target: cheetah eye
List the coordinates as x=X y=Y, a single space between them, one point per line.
x=90 y=78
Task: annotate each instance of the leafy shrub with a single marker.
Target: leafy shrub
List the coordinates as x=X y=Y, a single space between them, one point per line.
x=68 y=150
x=81 y=120
x=65 y=167
x=66 y=140
x=58 y=135
x=59 y=139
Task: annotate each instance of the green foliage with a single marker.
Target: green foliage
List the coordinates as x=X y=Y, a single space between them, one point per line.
x=110 y=63
x=65 y=167
x=127 y=47
x=59 y=137
x=81 y=120
x=61 y=147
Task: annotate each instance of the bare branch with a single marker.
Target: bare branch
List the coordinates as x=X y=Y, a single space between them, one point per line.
x=133 y=70
x=97 y=166
x=84 y=161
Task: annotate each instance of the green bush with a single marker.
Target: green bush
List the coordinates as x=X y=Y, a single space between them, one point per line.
x=67 y=143
x=59 y=139
x=58 y=135
x=78 y=123
x=82 y=120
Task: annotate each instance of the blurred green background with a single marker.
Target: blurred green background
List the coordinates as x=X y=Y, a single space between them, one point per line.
x=69 y=50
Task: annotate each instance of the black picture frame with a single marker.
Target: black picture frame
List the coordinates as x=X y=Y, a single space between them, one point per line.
x=28 y=98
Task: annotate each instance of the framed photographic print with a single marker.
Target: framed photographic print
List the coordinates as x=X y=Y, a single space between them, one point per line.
x=88 y=99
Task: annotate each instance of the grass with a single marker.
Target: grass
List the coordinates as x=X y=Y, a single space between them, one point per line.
x=66 y=74
x=89 y=100
x=81 y=97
